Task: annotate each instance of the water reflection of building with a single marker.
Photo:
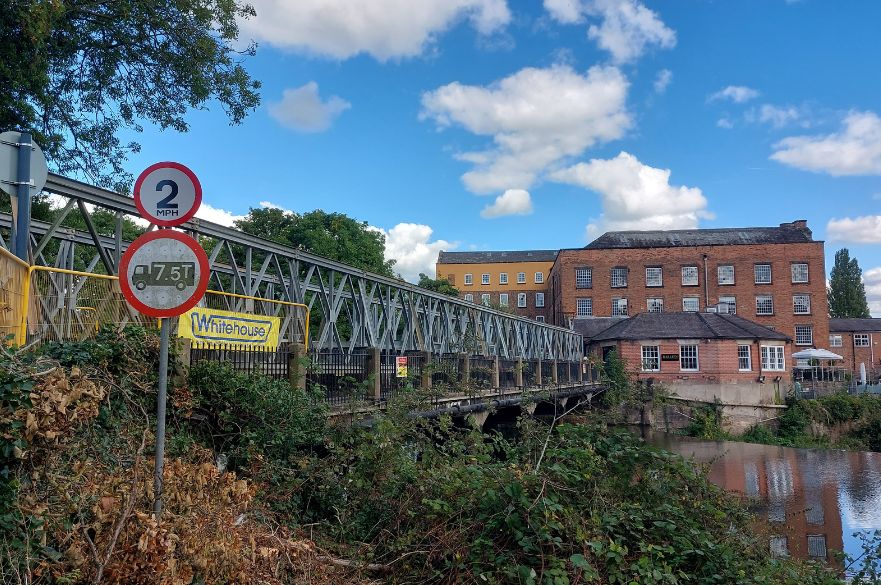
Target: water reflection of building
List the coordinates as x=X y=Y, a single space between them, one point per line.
x=791 y=488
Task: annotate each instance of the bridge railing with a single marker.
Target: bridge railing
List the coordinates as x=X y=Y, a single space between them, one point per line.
x=350 y=308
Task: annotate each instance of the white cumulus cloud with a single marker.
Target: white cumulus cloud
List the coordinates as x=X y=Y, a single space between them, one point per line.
x=662 y=81
x=725 y=123
x=217 y=215
x=535 y=117
x=511 y=202
x=872 y=281
x=776 y=116
x=636 y=196
x=855 y=150
x=859 y=230
x=735 y=93
x=385 y=29
x=413 y=250
x=624 y=28
x=301 y=109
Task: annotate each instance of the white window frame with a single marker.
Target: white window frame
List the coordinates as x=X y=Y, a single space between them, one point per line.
x=731 y=305
x=539 y=300
x=804 y=304
x=760 y=268
x=795 y=269
x=618 y=277
x=521 y=300
x=469 y=279
x=539 y=278
x=805 y=341
x=469 y=298
x=485 y=299
x=773 y=358
x=654 y=305
x=764 y=313
x=861 y=340
x=503 y=278
x=503 y=299
x=521 y=278
x=583 y=277
x=687 y=280
x=540 y=318
x=616 y=307
x=694 y=357
x=651 y=356
x=722 y=275
x=484 y=278
x=836 y=340
x=697 y=304
x=747 y=365
x=584 y=302
x=657 y=276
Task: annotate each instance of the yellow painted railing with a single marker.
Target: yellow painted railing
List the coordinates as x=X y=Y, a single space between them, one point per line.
x=13 y=278
x=53 y=301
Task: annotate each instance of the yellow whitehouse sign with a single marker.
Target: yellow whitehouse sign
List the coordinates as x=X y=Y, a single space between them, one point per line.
x=214 y=327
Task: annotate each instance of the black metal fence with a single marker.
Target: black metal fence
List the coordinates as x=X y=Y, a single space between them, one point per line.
x=274 y=363
x=342 y=376
x=346 y=377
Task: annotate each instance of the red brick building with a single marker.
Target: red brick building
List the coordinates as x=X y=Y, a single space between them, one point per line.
x=858 y=341
x=696 y=348
x=774 y=276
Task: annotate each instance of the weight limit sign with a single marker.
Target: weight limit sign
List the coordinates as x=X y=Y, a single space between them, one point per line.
x=163 y=273
x=168 y=194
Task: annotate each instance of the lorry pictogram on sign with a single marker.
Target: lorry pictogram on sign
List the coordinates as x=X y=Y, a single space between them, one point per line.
x=177 y=274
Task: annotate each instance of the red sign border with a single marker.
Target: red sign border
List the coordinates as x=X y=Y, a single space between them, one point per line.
x=201 y=287
x=168 y=222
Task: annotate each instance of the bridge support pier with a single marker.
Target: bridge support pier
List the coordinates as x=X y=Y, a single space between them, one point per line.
x=478 y=419
x=465 y=368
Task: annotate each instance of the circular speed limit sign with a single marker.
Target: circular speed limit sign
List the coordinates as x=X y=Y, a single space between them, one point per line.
x=168 y=194
x=163 y=273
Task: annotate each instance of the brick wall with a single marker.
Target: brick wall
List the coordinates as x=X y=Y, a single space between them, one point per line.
x=672 y=260
x=854 y=356
x=717 y=361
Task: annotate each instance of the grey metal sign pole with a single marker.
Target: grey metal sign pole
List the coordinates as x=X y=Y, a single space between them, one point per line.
x=160 y=415
x=23 y=194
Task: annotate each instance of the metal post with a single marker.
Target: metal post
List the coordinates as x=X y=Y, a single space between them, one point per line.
x=160 y=416
x=23 y=192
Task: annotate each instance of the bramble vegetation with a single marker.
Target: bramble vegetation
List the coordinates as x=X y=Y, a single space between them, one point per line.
x=253 y=468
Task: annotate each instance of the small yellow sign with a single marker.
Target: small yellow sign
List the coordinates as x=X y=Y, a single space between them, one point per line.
x=402 y=367
x=215 y=327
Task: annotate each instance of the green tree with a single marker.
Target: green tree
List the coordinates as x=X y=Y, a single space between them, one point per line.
x=334 y=236
x=847 y=293
x=77 y=73
x=439 y=285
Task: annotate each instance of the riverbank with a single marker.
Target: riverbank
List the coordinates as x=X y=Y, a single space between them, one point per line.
x=836 y=421
x=260 y=489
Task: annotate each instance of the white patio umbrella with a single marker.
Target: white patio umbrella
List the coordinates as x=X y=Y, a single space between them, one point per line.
x=816 y=354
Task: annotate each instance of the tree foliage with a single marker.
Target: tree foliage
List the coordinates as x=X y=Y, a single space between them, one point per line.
x=77 y=73
x=847 y=293
x=439 y=285
x=334 y=236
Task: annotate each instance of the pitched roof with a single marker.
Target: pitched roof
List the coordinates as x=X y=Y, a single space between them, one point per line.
x=848 y=325
x=588 y=327
x=786 y=233
x=687 y=326
x=496 y=257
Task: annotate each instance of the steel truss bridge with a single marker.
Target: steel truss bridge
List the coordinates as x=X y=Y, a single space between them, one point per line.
x=350 y=308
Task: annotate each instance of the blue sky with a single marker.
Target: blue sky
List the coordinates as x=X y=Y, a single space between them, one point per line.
x=506 y=124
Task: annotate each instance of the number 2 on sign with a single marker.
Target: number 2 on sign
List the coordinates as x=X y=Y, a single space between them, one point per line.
x=167 y=202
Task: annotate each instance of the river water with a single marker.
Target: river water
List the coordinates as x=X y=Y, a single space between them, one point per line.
x=814 y=501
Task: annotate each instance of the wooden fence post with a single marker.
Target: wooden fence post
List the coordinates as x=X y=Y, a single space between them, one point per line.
x=296 y=370
x=374 y=371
